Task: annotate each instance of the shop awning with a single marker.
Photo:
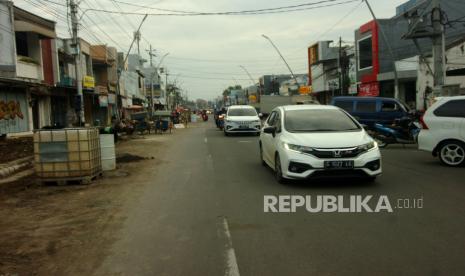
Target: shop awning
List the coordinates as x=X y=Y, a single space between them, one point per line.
x=135 y=107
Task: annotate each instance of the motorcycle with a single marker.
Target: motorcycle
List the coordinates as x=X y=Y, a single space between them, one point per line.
x=220 y=121
x=402 y=131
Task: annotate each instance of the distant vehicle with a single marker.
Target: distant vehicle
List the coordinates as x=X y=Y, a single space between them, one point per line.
x=443 y=130
x=303 y=141
x=242 y=119
x=269 y=102
x=371 y=110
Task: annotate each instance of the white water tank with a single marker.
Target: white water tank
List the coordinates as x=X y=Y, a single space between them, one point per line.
x=107 y=148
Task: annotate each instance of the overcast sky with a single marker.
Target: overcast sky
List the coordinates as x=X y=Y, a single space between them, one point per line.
x=205 y=52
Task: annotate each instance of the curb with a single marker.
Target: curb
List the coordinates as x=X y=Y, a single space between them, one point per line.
x=12 y=167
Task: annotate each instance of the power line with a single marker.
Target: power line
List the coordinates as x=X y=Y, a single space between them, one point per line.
x=229 y=12
x=114 y=21
x=247 y=12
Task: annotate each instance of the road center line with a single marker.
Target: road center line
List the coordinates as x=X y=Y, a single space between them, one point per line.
x=232 y=269
x=206 y=140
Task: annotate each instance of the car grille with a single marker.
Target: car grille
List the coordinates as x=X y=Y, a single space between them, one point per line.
x=243 y=123
x=338 y=173
x=335 y=153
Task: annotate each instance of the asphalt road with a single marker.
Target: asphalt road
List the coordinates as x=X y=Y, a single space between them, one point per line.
x=203 y=215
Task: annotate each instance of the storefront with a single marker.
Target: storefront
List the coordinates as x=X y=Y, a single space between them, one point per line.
x=14 y=110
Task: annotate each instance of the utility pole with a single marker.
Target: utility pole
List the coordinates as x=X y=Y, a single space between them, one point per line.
x=383 y=34
x=167 y=95
x=137 y=37
x=152 y=74
x=151 y=54
x=340 y=66
x=77 y=60
x=438 y=47
x=420 y=28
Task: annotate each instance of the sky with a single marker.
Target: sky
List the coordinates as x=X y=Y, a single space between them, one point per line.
x=205 y=52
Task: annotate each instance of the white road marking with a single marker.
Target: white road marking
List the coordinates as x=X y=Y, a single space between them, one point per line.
x=232 y=269
x=206 y=140
x=244 y=141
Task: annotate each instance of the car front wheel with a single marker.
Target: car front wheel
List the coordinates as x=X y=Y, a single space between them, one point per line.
x=452 y=153
x=278 y=170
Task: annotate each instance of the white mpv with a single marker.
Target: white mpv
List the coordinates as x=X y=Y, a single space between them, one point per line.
x=304 y=141
x=443 y=130
x=242 y=119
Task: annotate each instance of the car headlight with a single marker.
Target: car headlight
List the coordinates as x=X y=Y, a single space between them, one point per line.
x=367 y=146
x=297 y=148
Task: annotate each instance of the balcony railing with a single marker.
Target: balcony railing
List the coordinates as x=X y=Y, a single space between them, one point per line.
x=29 y=70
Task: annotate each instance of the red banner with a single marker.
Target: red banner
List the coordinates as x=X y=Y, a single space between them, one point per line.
x=369 y=89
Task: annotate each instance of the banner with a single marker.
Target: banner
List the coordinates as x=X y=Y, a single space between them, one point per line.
x=370 y=89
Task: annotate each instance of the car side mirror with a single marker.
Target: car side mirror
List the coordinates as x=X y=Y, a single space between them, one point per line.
x=270 y=130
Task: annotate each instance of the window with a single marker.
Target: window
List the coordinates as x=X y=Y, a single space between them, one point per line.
x=346 y=105
x=365 y=53
x=271 y=119
x=21 y=44
x=277 y=122
x=455 y=108
x=363 y=106
x=319 y=120
x=242 y=112
x=389 y=107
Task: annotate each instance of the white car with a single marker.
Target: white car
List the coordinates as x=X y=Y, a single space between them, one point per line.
x=304 y=141
x=443 y=130
x=242 y=119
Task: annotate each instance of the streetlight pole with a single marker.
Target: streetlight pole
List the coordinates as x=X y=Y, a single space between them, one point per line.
x=251 y=79
x=124 y=62
x=161 y=60
x=156 y=72
x=277 y=50
x=247 y=72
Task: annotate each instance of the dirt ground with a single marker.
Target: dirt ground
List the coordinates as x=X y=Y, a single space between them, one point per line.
x=15 y=148
x=45 y=228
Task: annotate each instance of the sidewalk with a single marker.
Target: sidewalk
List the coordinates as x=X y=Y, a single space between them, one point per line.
x=46 y=228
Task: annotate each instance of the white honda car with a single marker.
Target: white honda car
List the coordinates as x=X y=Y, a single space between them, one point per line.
x=242 y=119
x=304 y=141
x=443 y=130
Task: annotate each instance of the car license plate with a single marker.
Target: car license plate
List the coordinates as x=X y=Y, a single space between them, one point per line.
x=343 y=164
x=244 y=126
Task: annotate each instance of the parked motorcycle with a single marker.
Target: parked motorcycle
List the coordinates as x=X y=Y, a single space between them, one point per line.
x=402 y=131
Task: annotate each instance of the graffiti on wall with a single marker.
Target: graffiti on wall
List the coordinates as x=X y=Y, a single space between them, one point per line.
x=10 y=110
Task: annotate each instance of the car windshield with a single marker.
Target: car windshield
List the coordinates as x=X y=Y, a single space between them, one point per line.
x=318 y=120
x=242 y=112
